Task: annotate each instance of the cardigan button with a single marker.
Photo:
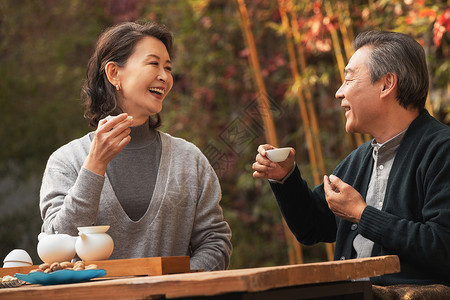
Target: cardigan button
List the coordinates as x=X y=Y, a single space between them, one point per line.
x=354 y=226
x=342 y=258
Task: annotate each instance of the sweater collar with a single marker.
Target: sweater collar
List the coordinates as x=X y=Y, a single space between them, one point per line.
x=141 y=136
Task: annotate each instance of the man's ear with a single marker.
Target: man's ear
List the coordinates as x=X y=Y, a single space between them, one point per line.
x=389 y=82
x=112 y=72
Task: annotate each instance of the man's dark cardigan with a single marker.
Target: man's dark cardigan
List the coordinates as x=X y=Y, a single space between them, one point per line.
x=414 y=222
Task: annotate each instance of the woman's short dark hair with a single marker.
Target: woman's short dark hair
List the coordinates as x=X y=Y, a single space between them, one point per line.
x=398 y=53
x=116 y=44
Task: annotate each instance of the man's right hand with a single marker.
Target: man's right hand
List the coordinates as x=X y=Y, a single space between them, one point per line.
x=265 y=168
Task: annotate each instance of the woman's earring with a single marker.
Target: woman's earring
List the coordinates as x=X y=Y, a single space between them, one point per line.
x=118 y=87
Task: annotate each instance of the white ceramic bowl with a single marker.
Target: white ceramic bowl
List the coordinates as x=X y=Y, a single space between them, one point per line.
x=279 y=154
x=17 y=258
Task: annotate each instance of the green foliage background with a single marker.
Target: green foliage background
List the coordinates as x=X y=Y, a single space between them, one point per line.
x=44 y=48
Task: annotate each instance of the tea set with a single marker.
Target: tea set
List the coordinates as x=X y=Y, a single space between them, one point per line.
x=92 y=243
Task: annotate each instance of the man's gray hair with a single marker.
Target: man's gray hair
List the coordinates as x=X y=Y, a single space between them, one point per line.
x=398 y=53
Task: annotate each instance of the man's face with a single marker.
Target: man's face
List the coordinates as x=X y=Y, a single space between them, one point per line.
x=359 y=97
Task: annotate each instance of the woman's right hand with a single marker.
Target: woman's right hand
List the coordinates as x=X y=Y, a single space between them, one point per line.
x=265 y=168
x=109 y=139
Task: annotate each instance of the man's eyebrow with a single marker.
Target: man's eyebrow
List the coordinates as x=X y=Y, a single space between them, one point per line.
x=157 y=57
x=348 y=70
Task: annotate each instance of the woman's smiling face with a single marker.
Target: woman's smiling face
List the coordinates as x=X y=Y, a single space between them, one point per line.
x=145 y=79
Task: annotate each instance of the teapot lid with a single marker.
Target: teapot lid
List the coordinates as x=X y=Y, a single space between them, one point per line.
x=59 y=235
x=94 y=229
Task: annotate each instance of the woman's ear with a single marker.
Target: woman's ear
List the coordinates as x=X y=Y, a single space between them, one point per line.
x=390 y=82
x=112 y=72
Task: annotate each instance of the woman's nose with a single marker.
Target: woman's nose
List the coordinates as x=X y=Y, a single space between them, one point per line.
x=162 y=76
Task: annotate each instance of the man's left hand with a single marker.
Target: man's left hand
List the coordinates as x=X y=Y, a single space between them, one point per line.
x=343 y=200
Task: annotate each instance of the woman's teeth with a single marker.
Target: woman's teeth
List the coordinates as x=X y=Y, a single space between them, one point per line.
x=156 y=90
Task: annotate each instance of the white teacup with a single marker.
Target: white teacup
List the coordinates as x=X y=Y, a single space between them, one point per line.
x=17 y=258
x=279 y=154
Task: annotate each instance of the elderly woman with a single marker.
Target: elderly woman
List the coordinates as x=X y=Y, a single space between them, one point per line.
x=158 y=193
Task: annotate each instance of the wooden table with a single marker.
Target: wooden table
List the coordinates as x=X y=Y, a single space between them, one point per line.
x=304 y=281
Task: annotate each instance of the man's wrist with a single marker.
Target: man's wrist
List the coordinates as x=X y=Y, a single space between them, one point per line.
x=282 y=180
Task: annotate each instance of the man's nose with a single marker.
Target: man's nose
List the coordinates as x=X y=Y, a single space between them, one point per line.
x=340 y=93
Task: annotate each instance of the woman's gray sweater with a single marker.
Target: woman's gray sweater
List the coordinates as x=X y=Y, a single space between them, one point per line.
x=183 y=218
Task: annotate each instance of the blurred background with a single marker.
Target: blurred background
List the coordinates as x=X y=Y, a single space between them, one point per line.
x=245 y=73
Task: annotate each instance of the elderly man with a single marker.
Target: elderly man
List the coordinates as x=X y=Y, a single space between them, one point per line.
x=392 y=194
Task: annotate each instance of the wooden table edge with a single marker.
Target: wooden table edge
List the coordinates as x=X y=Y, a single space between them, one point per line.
x=217 y=282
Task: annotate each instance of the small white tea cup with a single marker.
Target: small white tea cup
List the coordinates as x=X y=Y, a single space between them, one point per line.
x=17 y=258
x=279 y=154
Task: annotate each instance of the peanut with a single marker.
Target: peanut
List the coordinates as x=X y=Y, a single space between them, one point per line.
x=91 y=267
x=55 y=266
x=65 y=265
x=44 y=267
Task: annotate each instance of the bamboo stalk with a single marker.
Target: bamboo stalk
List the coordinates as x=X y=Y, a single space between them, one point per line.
x=345 y=27
x=263 y=101
x=346 y=37
x=428 y=105
x=301 y=99
x=309 y=99
x=295 y=255
x=293 y=37
x=341 y=65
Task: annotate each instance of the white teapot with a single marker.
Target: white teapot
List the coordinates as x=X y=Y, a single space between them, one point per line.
x=94 y=243
x=56 y=247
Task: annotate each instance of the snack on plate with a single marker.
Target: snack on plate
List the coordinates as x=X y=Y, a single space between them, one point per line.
x=79 y=265
x=10 y=281
x=8 y=278
x=65 y=265
x=43 y=267
x=91 y=267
